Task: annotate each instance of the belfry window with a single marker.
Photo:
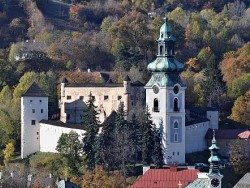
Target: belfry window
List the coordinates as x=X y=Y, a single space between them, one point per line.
x=156 y=105
x=176 y=108
x=161 y=50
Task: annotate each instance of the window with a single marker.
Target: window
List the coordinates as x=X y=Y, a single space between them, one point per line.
x=119 y=97
x=30 y=100
x=176 y=125
x=37 y=133
x=175 y=137
x=68 y=117
x=176 y=105
x=176 y=89
x=161 y=50
x=40 y=100
x=33 y=111
x=106 y=97
x=68 y=97
x=178 y=153
x=41 y=111
x=33 y=122
x=81 y=97
x=173 y=153
x=156 y=105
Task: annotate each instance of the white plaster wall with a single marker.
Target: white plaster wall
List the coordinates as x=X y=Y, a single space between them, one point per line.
x=195 y=137
x=30 y=134
x=213 y=116
x=50 y=135
x=163 y=117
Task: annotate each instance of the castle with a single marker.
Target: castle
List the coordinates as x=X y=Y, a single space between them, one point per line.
x=183 y=130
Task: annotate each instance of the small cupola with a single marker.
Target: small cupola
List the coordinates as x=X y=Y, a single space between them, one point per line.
x=166 y=41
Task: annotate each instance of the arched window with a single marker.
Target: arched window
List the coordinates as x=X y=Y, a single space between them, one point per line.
x=176 y=125
x=156 y=105
x=176 y=108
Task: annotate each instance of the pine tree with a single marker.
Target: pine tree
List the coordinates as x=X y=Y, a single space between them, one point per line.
x=147 y=138
x=90 y=124
x=135 y=131
x=157 y=151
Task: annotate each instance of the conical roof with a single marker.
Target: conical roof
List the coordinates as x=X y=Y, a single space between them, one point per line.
x=34 y=91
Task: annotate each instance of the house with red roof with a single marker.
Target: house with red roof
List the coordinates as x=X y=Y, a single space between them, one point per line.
x=166 y=178
x=225 y=136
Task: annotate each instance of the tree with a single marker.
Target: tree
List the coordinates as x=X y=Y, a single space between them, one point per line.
x=90 y=124
x=70 y=147
x=8 y=152
x=241 y=109
x=147 y=138
x=157 y=155
x=123 y=143
x=239 y=156
x=99 y=178
x=239 y=86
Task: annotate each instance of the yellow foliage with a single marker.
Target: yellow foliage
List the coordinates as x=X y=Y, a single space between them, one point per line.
x=8 y=152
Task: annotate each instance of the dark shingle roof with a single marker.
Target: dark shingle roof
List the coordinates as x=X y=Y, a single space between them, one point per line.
x=227 y=133
x=137 y=83
x=199 y=120
x=65 y=81
x=61 y=124
x=127 y=78
x=34 y=91
x=94 y=85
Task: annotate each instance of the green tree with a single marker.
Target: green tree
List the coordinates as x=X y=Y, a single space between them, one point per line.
x=70 y=147
x=147 y=138
x=239 y=86
x=90 y=124
x=157 y=155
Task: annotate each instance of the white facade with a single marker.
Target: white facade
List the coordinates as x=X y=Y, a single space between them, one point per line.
x=33 y=110
x=50 y=135
x=170 y=122
x=195 y=135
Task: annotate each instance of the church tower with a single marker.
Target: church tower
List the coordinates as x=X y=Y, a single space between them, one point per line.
x=165 y=97
x=34 y=108
x=214 y=174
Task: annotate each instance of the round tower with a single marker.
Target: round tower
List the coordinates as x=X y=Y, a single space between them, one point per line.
x=34 y=108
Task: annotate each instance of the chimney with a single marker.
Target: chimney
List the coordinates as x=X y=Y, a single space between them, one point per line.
x=173 y=168
x=145 y=169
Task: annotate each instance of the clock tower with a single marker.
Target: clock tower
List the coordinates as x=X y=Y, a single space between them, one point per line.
x=165 y=97
x=214 y=174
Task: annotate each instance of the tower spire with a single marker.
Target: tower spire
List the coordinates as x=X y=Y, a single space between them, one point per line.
x=214 y=159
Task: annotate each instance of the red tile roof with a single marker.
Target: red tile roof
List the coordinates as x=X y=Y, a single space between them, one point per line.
x=165 y=178
x=244 y=135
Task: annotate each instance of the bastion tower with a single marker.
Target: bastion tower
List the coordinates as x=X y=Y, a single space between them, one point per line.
x=34 y=108
x=165 y=97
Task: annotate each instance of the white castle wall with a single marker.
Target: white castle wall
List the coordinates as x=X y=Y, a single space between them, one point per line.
x=32 y=108
x=195 y=137
x=50 y=135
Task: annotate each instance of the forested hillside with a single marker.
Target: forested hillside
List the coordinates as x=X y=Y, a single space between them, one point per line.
x=44 y=40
